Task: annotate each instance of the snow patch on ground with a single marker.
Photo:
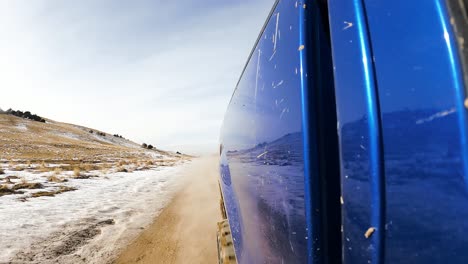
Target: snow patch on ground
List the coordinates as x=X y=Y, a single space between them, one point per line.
x=22 y=127
x=114 y=140
x=70 y=136
x=105 y=213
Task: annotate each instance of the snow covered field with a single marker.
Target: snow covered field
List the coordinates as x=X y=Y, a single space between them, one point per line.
x=86 y=225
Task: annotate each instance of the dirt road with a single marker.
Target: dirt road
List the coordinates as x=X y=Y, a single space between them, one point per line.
x=185 y=231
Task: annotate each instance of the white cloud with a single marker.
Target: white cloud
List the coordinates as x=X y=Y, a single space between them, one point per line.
x=155 y=71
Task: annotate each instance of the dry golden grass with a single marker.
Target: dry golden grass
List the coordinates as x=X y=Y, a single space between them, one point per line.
x=5 y=190
x=90 y=167
x=57 y=171
x=48 y=141
x=79 y=167
x=42 y=193
x=85 y=167
x=27 y=185
x=53 y=148
x=76 y=172
x=55 y=178
x=41 y=147
x=9 y=178
x=60 y=190
x=18 y=168
x=107 y=165
x=122 y=169
x=122 y=162
x=43 y=167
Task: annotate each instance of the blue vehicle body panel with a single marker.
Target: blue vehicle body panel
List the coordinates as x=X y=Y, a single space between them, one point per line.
x=359 y=133
x=263 y=162
x=421 y=98
x=269 y=164
x=401 y=129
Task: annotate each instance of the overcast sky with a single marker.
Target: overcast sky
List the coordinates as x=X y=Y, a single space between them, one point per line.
x=160 y=72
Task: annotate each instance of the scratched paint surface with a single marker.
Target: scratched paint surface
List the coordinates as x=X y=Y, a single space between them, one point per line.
x=262 y=172
x=358 y=134
x=423 y=127
x=423 y=121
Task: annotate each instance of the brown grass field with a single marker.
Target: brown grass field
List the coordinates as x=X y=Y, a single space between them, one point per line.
x=22 y=139
x=62 y=151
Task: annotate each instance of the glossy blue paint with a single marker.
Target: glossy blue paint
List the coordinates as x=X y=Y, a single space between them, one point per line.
x=456 y=70
x=402 y=134
x=376 y=175
x=424 y=131
x=310 y=205
x=269 y=170
x=359 y=133
x=263 y=152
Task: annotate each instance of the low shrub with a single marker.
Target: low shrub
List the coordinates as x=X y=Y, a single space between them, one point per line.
x=26 y=115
